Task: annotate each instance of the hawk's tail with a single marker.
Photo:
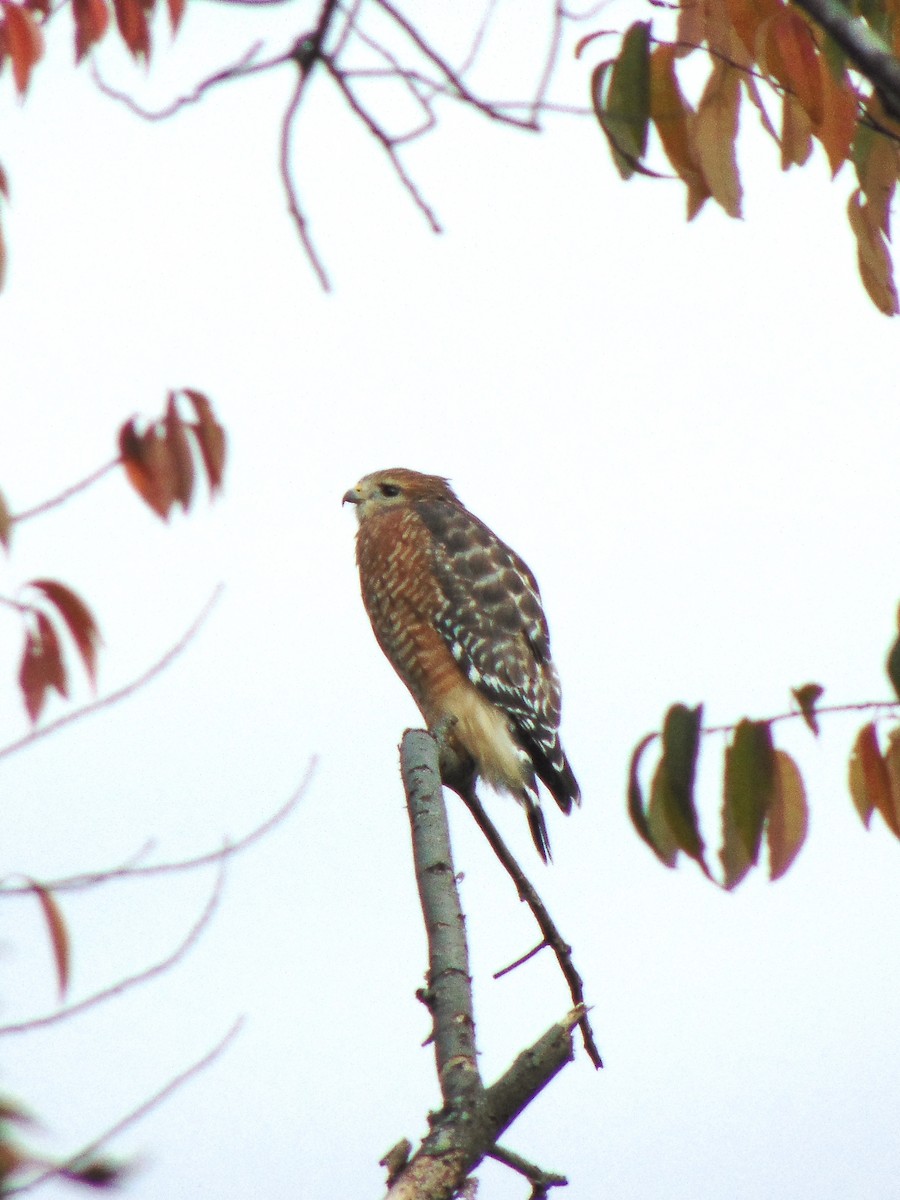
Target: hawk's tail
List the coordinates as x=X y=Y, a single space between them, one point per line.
x=537 y=825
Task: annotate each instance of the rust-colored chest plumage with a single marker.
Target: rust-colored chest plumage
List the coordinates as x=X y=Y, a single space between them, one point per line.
x=403 y=597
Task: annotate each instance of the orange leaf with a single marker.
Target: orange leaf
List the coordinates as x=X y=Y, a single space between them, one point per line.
x=148 y=467
x=691 y=28
x=176 y=12
x=788 y=816
x=714 y=133
x=672 y=116
x=796 y=133
x=59 y=935
x=875 y=268
x=793 y=60
x=24 y=41
x=210 y=437
x=132 y=21
x=179 y=453
x=91 y=22
x=874 y=775
x=41 y=667
x=840 y=113
x=78 y=618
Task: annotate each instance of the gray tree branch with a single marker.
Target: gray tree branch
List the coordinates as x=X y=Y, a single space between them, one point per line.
x=473 y=1117
x=868 y=52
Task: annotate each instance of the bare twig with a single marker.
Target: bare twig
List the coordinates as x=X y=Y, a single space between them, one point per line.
x=387 y=143
x=551 y=934
x=284 y=163
x=242 y=67
x=131 y=981
x=36 y=735
x=540 y=1180
x=54 y=502
x=131 y=869
x=540 y=95
x=87 y=1152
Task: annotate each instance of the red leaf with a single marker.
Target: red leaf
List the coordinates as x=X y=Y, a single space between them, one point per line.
x=78 y=618
x=176 y=12
x=179 y=450
x=91 y=22
x=210 y=437
x=148 y=467
x=875 y=778
x=41 y=667
x=132 y=22
x=59 y=934
x=24 y=41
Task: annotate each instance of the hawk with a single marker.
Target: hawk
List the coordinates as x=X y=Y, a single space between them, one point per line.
x=459 y=617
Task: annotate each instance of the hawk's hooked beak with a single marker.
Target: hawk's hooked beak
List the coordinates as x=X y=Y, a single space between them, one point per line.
x=352 y=496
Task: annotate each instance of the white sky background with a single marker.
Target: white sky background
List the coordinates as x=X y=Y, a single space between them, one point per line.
x=689 y=432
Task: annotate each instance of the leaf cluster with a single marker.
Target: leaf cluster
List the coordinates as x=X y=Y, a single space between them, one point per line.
x=801 y=83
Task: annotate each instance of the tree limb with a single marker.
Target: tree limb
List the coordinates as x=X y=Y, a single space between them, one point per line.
x=868 y=52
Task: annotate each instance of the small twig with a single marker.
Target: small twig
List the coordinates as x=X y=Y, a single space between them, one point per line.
x=130 y=869
x=448 y=72
x=387 y=143
x=520 y=961
x=284 y=162
x=55 y=501
x=820 y=710
x=36 y=735
x=540 y=1179
x=241 y=67
x=87 y=1152
x=131 y=981
x=551 y=934
x=550 y=61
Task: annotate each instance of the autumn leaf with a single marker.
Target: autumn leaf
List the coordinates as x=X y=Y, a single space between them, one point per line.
x=176 y=12
x=870 y=784
x=714 y=132
x=681 y=743
x=24 y=42
x=179 y=454
x=210 y=437
x=78 y=618
x=59 y=934
x=792 y=58
x=91 y=22
x=875 y=268
x=747 y=795
x=840 y=113
x=624 y=110
x=5 y=523
x=41 y=667
x=664 y=841
x=788 y=818
x=796 y=133
x=893 y=661
x=131 y=19
x=148 y=467
x=672 y=116
x=807 y=698
x=636 y=808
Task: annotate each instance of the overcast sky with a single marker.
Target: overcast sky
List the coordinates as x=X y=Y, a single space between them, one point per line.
x=689 y=433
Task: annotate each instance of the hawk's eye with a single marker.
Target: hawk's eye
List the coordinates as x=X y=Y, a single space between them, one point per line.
x=389 y=489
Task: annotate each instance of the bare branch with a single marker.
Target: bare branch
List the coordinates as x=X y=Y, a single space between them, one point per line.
x=131 y=869
x=388 y=143
x=452 y=77
x=449 y=992
x=36 y=735
x=131 y=981
x=67 y=494
x=540 y=1179
x=242 y=67
x=92 y=1148
x=284 y=163
x=551 y=935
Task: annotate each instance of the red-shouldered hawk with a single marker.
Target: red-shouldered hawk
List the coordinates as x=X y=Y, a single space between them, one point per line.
x=459 y=616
